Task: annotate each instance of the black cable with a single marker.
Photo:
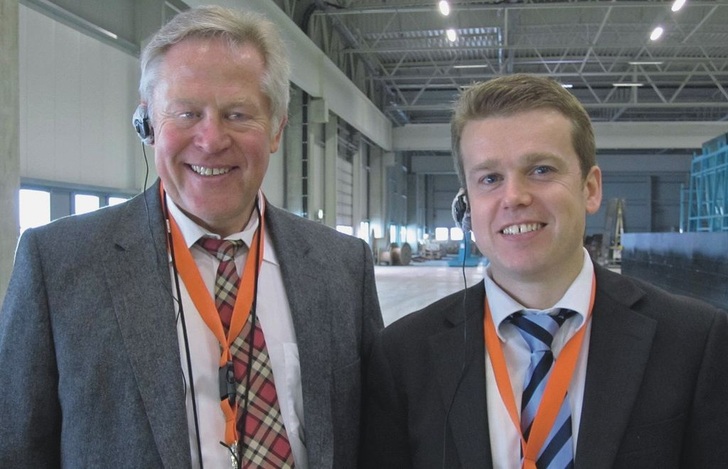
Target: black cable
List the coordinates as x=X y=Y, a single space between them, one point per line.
x=184 y=330
x=466 y=240
x=178 y=299
x=465 y=293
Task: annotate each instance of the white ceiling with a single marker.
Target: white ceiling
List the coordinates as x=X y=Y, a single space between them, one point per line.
x=397 y=53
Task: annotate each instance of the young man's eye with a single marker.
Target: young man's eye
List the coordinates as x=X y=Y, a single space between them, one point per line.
x=489 y=179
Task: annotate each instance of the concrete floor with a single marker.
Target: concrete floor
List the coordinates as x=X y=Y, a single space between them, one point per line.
x=405 y=289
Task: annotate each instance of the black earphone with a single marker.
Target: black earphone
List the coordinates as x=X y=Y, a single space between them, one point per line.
x=461 y=211
x=142 y=124
x=461 y=215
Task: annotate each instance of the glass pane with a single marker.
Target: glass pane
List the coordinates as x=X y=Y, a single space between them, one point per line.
x=442 y=234
x=345 y=229
x=412 y=236
x=84 y=203
x=35 y=208
x=364 y=231
x=117 y=200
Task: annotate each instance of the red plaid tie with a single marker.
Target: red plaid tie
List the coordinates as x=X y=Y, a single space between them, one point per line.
x=265 y=442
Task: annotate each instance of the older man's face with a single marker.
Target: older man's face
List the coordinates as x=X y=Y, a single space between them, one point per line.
x=213 y=136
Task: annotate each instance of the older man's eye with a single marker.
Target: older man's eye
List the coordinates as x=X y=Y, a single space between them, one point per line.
x=490 y=179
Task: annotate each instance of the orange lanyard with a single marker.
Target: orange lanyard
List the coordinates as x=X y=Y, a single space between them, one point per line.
x=554 y=393
x=205 y=305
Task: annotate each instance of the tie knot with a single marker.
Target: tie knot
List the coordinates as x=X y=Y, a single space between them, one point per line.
x=538 y=330
x=223 y=249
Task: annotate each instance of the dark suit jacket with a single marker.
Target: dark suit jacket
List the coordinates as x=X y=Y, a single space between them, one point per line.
x=656 y=391
x=90 y=372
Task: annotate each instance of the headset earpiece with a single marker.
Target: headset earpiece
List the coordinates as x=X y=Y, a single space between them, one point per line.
x=461 y=211
x=142 y=125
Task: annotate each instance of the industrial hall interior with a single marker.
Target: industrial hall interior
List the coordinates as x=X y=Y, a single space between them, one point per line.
x=367 y=146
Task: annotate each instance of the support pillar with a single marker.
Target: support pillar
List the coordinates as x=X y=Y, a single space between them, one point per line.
x=9 y=139
x=331 y=159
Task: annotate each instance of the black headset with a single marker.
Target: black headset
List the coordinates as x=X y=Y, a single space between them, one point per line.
x=142 y=124
x=461 y=211
x=461 y=215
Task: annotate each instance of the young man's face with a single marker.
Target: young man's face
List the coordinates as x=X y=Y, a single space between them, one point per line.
x=527 y=196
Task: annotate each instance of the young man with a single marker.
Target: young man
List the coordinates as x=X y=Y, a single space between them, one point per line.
x=196 y=324
x=551 y=361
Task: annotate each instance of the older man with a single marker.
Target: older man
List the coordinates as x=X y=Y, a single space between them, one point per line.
x=197 y=324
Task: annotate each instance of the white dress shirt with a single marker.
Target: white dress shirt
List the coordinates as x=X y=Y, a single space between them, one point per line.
x=274 y=314
x=504 y=436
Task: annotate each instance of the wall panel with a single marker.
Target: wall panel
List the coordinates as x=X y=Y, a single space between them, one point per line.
x=76 y=100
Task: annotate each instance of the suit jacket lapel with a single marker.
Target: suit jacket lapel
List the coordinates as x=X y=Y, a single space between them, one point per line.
x=619 y=348
x=138 y=278
x=300 y=272
x=463 y=389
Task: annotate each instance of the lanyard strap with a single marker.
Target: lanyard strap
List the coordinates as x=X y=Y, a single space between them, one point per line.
x=205 y=304
x=554 y=393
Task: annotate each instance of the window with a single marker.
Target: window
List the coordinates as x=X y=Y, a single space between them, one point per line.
x=442 y=234
x=117 y=200
x=412 y=237
x=345 y=229
x=40 y=202
x=364 y=231
x=456 y=234
x=34 y=208
x=85 y=203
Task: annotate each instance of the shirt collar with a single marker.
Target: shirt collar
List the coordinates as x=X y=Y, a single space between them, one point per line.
x=577 y=297
x=192 y=232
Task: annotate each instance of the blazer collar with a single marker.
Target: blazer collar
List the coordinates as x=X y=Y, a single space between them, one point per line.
x=137 y=273
x=301 y=267
x=619 y=349
x=459 y=369
x=620 y=344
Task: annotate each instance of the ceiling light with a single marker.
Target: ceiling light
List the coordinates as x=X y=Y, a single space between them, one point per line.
x=627 y=85
x=646 y=62
x=444 y=7
x=677 y=4
x=451 y=35
x=471 y=66
x=567 y=85
x=656 y=33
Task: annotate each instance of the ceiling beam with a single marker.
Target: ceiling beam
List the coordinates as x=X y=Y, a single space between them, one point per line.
x=609 y=135
x=580 y=5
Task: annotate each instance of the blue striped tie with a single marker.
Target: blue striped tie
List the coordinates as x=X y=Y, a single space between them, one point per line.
x=538 y=331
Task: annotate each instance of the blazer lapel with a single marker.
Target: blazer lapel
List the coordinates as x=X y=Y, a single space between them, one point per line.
x=300 y=272
x=138 y=277
x=619 y=348
x=459 y=370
